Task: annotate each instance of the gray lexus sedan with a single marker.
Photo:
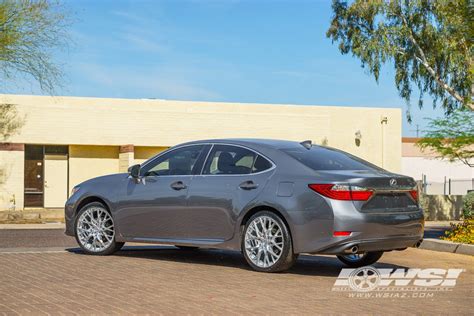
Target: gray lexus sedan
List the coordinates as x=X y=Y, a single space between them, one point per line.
x=270 y=199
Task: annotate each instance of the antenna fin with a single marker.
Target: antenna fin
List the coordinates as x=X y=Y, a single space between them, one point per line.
x=307 y=144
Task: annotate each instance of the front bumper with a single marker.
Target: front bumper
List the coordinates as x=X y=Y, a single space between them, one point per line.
x=70 y=213
x=69 y=219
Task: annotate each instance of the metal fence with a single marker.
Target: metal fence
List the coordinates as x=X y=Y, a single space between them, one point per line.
x=448 y=186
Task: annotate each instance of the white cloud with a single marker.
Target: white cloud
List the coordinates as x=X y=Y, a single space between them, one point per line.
x=143 y=43
x=291 y=73
x=148 y=83
x=136 y=32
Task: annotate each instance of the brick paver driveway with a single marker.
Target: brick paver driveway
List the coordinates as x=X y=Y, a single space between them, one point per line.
x=165 y=280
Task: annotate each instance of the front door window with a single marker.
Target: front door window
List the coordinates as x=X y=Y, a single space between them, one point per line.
x=178 y=162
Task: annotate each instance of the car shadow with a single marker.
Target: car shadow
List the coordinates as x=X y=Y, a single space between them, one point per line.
x=313 y=265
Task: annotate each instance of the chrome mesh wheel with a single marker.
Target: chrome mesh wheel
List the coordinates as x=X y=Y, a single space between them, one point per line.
x=95 y=229
x=264 y=241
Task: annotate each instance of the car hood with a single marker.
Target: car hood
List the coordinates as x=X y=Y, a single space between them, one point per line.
x=110 y=178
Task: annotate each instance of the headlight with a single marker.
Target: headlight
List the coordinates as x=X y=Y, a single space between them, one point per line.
x=74 y=190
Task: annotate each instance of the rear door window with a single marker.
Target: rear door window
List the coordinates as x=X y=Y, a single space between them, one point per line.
x=261 y=164
x=227 y=159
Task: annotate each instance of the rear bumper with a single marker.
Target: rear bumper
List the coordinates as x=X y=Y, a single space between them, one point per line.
x=382 y=231
x=375 y=244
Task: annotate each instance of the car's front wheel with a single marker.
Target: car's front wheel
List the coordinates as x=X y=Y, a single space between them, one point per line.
x=95 y=230
x=267 y=244
x=361 y=259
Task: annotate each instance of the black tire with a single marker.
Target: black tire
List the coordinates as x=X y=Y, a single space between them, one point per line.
x=287 y=257
x=187 y=248
x=113 y=247
x=366 y=260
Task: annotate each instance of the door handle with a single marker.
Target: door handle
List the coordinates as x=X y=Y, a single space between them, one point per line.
x=178 y=185
x=248 y=185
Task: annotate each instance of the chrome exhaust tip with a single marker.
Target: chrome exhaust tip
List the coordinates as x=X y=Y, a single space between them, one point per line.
x=352 y=250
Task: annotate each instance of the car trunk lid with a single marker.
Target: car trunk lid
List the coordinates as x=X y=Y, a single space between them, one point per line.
x=391 y=192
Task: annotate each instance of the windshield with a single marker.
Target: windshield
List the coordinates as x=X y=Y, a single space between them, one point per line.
x=324 y=158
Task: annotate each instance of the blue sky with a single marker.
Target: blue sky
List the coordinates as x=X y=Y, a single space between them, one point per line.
x=236 y=51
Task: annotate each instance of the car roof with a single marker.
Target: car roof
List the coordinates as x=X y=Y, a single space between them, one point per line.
x=251 y=142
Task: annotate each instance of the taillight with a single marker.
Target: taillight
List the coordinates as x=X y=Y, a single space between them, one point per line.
x=414 y=195
x=342 y=191
x=341 y=233
x=360 y=193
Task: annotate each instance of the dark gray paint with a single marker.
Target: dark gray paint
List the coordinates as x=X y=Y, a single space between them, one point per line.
x=210 y=211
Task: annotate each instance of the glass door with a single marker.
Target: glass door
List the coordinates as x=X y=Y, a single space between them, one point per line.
x=34 y=175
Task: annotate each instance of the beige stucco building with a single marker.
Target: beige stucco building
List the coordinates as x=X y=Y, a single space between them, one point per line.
x=439 y=176
x=66 y=140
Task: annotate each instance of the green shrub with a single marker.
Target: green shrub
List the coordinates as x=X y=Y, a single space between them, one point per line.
x=468 y=206
x=463 y=232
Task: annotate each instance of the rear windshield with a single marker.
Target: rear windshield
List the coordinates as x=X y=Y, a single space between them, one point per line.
x=324 y=158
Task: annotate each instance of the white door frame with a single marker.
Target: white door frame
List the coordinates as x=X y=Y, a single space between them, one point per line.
x=55 y=180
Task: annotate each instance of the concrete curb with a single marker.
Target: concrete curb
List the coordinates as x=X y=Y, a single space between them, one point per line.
x=447 y=246
x=441 y=223
x=32 y=216
x=465 y=249
x=34 y=250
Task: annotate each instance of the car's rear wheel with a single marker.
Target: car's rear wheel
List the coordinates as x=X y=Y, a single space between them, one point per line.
x=361 y=259
x=95 y=230
x=267 y=244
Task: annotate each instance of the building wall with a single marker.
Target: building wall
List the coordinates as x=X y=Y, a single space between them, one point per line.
x=142 y=153
x=11 y=179
x=435 y=169
x=94 y=121
x=87 y=162
x=417 y=163
x=107 y=135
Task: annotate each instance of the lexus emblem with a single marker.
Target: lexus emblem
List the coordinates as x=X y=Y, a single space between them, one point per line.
x=393 y=182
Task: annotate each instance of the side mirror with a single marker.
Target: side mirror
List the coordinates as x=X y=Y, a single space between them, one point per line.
x=134 y=171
